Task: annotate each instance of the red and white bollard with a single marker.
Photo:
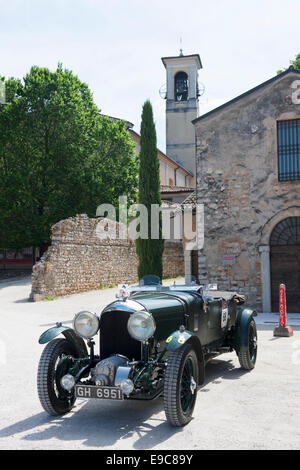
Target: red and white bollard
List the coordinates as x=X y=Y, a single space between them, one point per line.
x=283 y=329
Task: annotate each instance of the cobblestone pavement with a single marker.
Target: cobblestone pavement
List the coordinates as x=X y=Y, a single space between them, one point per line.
x=234 y=410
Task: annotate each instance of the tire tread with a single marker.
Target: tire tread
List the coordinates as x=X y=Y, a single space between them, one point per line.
x=42 y=375
x=244 y=356
x=170 y=387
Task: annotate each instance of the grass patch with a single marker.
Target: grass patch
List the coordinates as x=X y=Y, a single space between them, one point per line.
x=49 y=298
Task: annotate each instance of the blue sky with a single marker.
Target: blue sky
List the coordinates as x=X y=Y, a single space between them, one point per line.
x=116 y=46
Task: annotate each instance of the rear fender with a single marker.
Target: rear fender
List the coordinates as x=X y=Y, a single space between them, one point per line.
x=69 y=334
x=244 y=317
x=178 y=339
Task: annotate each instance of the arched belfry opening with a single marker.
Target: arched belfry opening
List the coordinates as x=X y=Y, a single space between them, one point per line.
x=285 y=263
x=182 y=107
x=181 y=84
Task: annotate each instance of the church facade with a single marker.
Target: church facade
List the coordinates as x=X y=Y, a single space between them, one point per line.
x=248 y=179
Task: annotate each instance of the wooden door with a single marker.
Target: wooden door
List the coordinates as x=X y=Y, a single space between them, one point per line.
x=285 y=269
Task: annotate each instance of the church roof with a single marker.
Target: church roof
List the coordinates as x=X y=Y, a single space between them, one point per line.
x=194 y=56
x=175 y=162
x=291 y=69
x=175 y=189
x=190 y=201
x=128 y=124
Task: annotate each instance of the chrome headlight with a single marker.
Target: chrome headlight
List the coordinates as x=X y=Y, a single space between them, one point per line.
x=86 y=324
x=141 y=325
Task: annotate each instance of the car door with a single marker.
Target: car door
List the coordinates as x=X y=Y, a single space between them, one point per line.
x=216 y=318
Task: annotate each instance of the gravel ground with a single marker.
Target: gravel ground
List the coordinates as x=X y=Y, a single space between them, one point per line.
x=234 y=410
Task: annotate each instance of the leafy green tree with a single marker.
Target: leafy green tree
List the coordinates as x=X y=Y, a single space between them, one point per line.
x=150 y=250
x=295 y=63
x=58 y=156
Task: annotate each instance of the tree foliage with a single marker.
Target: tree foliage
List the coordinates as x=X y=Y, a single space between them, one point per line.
x=58 y=156
x=149 y=251
x=295 y=63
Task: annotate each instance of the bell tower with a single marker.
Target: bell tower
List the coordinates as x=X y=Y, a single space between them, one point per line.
x=182 y=106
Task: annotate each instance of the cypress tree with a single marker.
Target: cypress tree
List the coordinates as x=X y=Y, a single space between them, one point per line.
x=149 y=251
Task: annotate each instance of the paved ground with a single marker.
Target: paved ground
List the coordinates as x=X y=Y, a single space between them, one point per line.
x=6 y=274
x=234 y=410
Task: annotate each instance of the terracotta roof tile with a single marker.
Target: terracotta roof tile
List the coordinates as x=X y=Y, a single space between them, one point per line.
x=176 y=189
x=190 y=201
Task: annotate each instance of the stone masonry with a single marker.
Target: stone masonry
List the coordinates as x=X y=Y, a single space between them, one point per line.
x=88 y=254
x=237 y=181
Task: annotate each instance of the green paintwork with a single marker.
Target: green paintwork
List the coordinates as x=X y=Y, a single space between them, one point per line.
x=69 y=334
x=52 y=333
x=169 y=311
x=177 y=339
x=244 y=316
x=211 y=325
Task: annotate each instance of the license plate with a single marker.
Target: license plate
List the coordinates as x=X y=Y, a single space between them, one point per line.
x=104 y=393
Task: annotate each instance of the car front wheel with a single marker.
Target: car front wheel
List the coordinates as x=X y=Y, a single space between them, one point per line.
x=180 y=386
x=54 y=399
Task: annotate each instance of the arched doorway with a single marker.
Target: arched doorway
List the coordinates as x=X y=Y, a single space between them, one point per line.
x=285 y=263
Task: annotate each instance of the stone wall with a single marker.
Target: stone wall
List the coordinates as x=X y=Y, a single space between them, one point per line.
x=237 y=181
x=86 y=254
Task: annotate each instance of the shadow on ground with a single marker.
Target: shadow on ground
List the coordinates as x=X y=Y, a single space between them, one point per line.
x=99 y=425
x=23 y=301
x=271 y=326
x=20 y=279
x=105 y=424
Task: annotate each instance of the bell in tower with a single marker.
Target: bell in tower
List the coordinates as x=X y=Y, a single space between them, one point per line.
x=181 y=86
x=182 y=108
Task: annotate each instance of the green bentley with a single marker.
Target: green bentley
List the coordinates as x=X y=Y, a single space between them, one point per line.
x=154 y=341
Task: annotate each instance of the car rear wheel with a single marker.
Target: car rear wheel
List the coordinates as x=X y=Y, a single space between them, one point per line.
x=180 y=386
x=247 y=357
x=54 y=399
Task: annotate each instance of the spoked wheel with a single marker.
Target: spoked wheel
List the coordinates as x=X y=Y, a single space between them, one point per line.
x=180 y=387
x=54 y=399
x=247 y=358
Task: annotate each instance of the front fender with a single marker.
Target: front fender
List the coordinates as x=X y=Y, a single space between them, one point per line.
x=176 y=341
x=244 y=317
x=69 y=334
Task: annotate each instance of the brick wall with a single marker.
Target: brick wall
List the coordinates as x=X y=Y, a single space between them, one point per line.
x=85 y=255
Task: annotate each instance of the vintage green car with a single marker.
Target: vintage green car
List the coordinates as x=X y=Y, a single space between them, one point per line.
x=154 y=341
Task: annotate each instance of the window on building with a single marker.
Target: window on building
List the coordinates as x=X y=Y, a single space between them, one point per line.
x=288 y=134
x=286 y=232
x=181 y=86
x=171 y=182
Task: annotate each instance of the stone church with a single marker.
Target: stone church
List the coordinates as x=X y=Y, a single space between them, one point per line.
x=246 y=158
x=248 y=178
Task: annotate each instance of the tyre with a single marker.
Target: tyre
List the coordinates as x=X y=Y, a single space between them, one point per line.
x=180 y=386
x=54 y=399
x=247 y=358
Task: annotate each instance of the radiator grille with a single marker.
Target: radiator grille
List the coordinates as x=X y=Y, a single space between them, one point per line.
x=114 y=336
